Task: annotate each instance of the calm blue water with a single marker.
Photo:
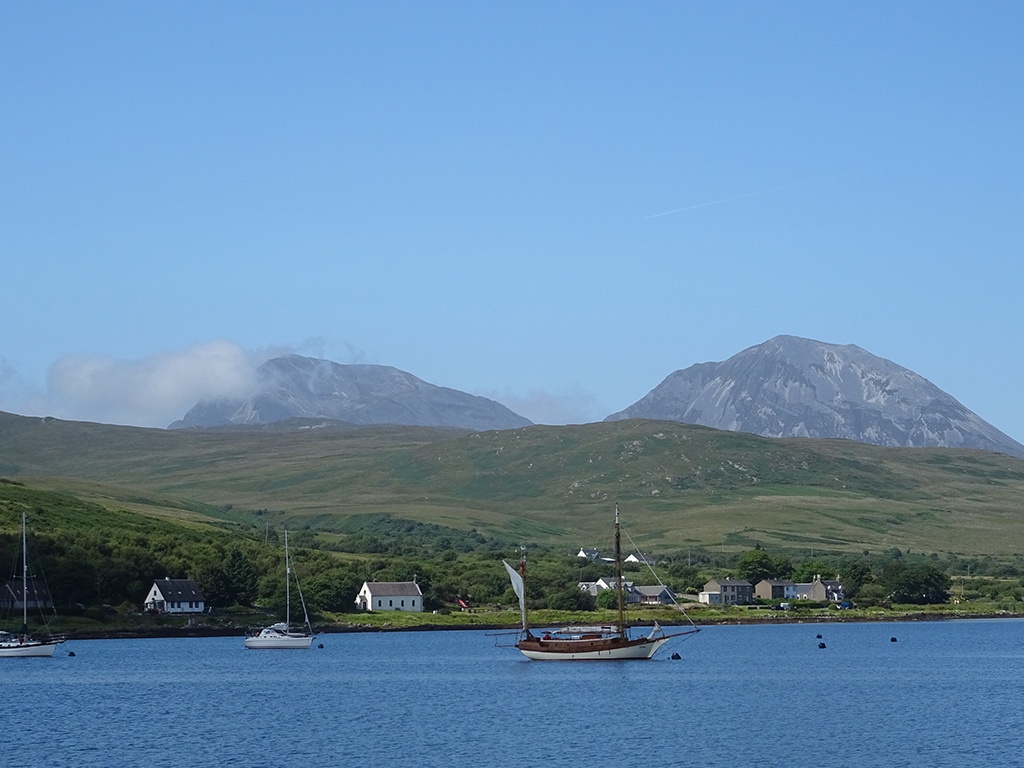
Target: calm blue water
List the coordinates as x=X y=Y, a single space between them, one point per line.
x=945 y=694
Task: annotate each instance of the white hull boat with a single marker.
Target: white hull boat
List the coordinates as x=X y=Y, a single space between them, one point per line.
x=278 y=636
x=281 y=636
x=21 y=644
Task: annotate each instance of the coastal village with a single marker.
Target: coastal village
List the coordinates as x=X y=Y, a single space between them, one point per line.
x=718 y=591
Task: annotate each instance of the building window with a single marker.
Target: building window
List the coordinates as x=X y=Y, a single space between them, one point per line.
x=403 y=603
x=391 y=603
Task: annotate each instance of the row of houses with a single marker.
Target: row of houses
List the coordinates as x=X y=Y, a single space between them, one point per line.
x=173 y=596
x=742 y=592
x=634 y=593
x=184 y=596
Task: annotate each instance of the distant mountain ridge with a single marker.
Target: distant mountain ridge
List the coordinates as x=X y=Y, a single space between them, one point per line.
x=303 y=387
x=795 y=387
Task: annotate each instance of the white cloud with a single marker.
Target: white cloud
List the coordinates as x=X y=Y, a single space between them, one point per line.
x=151 y=392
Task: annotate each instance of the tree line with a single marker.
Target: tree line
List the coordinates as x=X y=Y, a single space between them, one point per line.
x=90 y=556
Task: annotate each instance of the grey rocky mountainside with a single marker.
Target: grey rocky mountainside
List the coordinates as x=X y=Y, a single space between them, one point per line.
x=303 y=387
x=794 y=387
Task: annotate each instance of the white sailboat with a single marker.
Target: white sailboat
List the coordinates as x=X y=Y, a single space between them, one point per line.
x=21 y=644
x=603 y=643
x=281 y=635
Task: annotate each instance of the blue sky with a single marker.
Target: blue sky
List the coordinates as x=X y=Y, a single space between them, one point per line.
x=552 y=204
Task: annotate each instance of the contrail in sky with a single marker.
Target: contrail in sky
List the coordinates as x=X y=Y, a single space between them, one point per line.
x=748 y=194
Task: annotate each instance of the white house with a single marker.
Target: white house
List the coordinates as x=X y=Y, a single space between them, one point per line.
x=640 y=557
x=175 y=596
x=590 y=554
x=390 y=596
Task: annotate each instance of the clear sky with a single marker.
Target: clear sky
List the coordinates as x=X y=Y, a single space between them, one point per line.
x=554 y=204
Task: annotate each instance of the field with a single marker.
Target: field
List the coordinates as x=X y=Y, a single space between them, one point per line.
x=678 y=486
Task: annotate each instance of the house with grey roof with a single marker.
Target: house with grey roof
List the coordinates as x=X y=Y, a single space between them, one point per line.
x=634 y=593
x=821 y=590
x=390 y=596
x=175 y=596
x=775 y=589
x=655 y=595
x=16 y=591
x=727 y=592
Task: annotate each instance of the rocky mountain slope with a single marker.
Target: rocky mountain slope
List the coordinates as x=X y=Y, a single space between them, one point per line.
x=794 y=387
x=303 y=387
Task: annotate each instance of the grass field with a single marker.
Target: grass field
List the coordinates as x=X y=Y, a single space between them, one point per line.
x=678 y=486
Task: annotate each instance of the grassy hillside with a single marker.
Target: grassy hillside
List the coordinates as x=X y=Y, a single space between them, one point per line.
x=679 y=486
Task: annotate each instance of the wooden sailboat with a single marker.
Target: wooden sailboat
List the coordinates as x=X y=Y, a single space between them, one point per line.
x=600 y=643
x=281 y=635
x=20 y=644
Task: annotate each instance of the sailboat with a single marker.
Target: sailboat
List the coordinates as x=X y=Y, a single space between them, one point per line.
x=20 y=644
x=281 y=635
x=601 y=643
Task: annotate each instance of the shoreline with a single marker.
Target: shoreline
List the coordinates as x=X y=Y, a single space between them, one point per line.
x=148 y=633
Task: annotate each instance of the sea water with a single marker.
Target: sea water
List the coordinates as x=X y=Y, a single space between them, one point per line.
x=942 y=694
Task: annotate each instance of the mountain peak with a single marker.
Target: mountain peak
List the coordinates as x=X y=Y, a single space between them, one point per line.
x=794 y=387
x=294 y=386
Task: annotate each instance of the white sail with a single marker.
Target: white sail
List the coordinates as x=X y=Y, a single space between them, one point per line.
x=517 y=585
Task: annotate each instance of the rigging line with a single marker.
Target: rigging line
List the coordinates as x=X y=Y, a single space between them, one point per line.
x=651 y=568
x=305 y=614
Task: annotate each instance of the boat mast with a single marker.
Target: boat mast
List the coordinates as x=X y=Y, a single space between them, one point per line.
x=24 y=577
x=618 y=572
x=522 y=571
x=287 y=585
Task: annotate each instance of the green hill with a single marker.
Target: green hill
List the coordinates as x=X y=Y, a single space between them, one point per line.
x=679 y=486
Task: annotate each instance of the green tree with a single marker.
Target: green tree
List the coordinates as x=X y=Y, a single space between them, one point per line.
x=923 y=584
x=755 y=565
x=854 y=574
x=215 y=586
x=240 y=576
x=806 y=571
x=571 y=598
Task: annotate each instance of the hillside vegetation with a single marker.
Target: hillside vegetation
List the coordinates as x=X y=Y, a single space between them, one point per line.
x=679 y=486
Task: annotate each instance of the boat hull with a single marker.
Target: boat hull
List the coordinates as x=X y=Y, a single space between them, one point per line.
x=279 y=643
x=23 y=650
x=610 y=649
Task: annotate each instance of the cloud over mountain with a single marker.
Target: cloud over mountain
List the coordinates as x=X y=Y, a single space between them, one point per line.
x=296 y=386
